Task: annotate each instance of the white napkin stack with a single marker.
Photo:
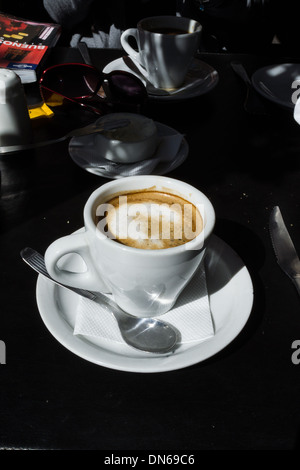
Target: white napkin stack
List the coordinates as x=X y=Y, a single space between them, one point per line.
x=191 y=315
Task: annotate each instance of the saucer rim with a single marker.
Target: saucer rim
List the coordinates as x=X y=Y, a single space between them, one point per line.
x=258 y=75
x=162 y=168
x=190 y=92
x=143 y=362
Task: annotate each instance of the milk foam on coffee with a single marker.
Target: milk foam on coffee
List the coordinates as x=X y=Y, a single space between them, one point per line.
x=151 y=220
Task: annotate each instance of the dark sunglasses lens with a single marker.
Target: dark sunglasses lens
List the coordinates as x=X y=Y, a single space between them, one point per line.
x=67 y=84
x=126 y=87
x=72 y=80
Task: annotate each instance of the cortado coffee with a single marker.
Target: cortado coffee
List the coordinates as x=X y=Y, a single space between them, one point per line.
x=149 y=219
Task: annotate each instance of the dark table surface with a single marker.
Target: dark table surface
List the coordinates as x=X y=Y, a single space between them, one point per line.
x=244 y=397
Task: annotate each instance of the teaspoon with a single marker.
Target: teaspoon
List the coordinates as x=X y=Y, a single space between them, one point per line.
x=253 y=103
x=146 y=334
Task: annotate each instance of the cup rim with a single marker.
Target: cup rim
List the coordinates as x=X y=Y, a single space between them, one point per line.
x=154 y=180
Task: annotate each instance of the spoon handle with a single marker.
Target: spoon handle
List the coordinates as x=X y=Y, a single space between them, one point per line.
x=156 y=340
x=253 y=102
x=84 y=51
x=36 y=261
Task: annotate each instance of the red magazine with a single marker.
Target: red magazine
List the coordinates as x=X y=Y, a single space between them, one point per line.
x=24 y=44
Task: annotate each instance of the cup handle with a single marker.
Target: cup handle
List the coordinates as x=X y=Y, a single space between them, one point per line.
x=125 y=44
x=75 y=243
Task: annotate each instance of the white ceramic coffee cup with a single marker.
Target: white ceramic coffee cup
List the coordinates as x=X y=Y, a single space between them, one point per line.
x=143 y=282
x=15 y=125
x=165 y=57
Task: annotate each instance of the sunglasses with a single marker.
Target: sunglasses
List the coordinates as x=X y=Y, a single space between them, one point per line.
x=84 y=85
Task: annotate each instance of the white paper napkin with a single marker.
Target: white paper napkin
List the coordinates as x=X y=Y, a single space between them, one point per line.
x=87 y=155
x=191 y=315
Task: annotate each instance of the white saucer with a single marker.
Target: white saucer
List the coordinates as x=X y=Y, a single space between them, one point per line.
x=201 y=79
x=274 y=82
x=231 y=298
x=80 y=149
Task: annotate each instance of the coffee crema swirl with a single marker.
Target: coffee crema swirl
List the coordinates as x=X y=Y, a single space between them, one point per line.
x=149 y=220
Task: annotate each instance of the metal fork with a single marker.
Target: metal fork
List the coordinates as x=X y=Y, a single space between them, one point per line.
x=89 y=129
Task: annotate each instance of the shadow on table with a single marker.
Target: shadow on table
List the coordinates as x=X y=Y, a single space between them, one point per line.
x=33 y=182
x=247 y=251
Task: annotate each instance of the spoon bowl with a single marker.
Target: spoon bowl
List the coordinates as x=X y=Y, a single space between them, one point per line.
x=145 y=334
